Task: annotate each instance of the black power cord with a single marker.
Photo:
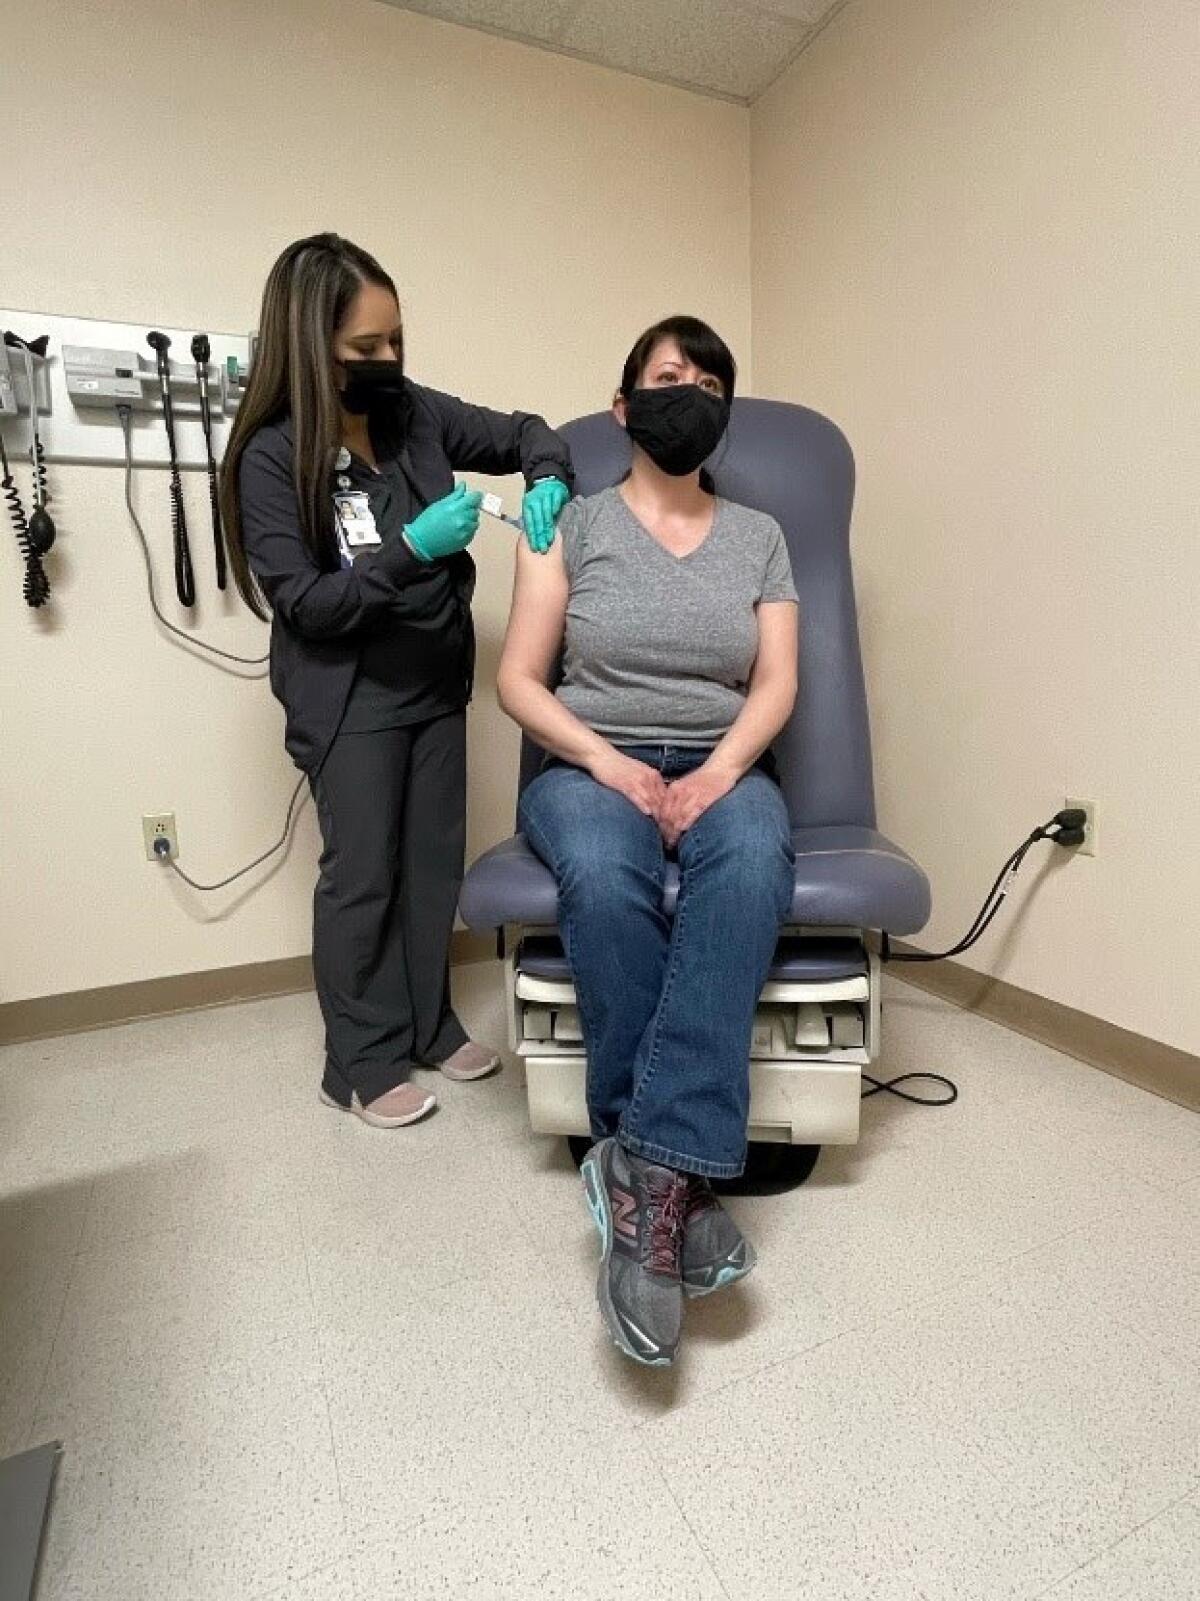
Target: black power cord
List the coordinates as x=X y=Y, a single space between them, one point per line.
x=1066 y=828
x=882 y=1086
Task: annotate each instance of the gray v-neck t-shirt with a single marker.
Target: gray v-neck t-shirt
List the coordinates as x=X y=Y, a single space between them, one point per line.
x=658 y=649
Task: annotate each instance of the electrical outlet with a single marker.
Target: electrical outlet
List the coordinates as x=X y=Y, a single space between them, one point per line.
x=160 y=826
x=1088 y=848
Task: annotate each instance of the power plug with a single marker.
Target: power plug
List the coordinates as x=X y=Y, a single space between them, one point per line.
x=1078 y=815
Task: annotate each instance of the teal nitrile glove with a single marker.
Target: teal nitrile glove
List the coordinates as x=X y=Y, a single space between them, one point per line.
x=539 y=512
x=449 y=525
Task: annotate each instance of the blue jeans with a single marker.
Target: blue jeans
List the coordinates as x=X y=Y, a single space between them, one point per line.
x=666 y=1005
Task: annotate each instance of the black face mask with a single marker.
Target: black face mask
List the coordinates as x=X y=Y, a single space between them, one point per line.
x=677 y=425
x=371 y=386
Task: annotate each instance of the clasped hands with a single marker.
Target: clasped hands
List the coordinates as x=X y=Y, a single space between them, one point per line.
x=673 y=805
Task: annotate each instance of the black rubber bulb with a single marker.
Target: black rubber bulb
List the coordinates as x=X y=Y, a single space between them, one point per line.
x=41 y=530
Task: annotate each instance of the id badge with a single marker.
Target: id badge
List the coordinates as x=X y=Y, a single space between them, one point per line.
x=356 y=521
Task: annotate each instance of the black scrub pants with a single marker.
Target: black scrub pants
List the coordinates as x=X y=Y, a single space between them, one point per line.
x=392 y=809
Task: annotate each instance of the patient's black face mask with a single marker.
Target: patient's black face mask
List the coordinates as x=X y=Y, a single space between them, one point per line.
x=371 y=385
x=677 y=425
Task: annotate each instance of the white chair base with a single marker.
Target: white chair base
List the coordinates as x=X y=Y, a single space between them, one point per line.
x=811 y=1041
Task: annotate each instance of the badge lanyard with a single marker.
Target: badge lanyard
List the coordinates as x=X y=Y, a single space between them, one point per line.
x=353 y=517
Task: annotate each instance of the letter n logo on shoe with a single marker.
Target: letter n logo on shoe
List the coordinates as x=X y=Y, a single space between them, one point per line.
x=624 y=1214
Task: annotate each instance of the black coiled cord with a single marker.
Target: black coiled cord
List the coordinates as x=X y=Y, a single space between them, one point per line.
x=41 y=494
x=214 y=498
x=185 y=583
x=35 y=586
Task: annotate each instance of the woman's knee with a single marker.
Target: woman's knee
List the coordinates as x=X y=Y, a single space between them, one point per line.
x=748 y=846
x=762 y=868
x=604 y=871
x=591 y=837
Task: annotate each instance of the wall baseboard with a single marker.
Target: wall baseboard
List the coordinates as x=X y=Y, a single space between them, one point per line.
x=75 y=1013
x=48 y=1015
x=1151 y=1065
x=1162 y=1069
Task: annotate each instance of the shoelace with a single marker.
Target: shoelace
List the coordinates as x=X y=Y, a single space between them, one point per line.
x=666 y=1215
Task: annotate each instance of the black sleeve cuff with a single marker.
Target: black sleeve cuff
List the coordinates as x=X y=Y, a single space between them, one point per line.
x=397 y=562
x=549 y=469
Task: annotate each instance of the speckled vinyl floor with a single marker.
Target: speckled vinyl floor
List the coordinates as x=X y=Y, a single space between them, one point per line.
x=295 y=1359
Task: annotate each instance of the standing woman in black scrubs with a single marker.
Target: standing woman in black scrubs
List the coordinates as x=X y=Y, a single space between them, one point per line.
x=342 y=514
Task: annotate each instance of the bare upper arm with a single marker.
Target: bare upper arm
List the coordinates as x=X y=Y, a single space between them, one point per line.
x=538 y=616
x=778 y=640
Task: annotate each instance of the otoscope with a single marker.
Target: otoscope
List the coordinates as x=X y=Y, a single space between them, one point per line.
x=201 y=351
x=185 y=584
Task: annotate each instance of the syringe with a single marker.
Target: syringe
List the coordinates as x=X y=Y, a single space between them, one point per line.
x=494 y=507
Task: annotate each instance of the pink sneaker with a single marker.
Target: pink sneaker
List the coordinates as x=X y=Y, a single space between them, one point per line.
x=407 y=1103
x=469 y=1061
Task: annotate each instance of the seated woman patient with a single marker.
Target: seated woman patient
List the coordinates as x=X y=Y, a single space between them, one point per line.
x=676 y=618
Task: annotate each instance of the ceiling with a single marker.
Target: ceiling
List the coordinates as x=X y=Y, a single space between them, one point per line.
x=733 y=49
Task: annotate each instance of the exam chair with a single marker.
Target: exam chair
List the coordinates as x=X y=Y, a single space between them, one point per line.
x=818 y=1018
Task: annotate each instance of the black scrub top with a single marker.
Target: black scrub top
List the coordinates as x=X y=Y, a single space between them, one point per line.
x=413 y=664
x=387 y=637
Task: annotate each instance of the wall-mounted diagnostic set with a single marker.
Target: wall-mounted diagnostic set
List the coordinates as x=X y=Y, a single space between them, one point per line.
x=81 y=392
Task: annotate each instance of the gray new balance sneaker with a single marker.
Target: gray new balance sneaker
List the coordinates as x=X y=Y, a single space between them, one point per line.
x=639 y=1211
x=715 y=1252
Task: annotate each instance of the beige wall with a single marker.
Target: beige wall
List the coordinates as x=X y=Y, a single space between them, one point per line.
x=538 y=211
x=974 y=240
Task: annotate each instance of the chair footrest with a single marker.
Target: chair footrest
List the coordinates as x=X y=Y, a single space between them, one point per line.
x=561 y=992
x=797 y=1103
x=799 y=958
x=804 y=1018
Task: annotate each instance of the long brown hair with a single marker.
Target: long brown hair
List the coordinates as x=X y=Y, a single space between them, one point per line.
x=308 y=292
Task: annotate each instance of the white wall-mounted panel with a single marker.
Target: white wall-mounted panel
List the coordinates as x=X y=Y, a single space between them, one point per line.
x=92 y=435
